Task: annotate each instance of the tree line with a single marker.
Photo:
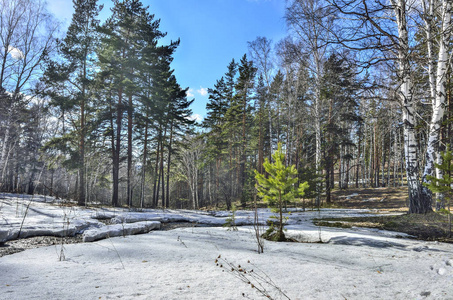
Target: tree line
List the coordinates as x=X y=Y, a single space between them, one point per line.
x=108 y=100
x=358 y=94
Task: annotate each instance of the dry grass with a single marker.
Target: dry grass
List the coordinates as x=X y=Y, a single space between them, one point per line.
x=432 y=226
x=388 y=198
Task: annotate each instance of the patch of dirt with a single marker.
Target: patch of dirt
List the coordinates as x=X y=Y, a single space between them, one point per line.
x=171 y=226
x=428 y=227
x=388 y=198
x=431 y=227
x=14 y=246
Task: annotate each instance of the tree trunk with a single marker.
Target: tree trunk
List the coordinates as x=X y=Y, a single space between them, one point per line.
x=145 y=154
x=116 y=153
x=439 y=101
x=162 y=175
x=129 y=152
x=82 y=193
x=243 y=153
x=3 y=160
x=419 y=199
x=167 y=198
x=156 y=172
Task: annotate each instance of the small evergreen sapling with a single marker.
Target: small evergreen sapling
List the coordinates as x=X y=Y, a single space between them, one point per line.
x=230 y=222
x=444 y=185
x=279 y=187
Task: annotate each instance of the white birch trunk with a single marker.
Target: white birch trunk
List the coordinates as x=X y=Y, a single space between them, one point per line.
x=3 y=156
x=396 y=151
x=439 y=89
x=429 y=11
x=3 y=160
x=419 y=202
x=317 y=115
x=364 y=167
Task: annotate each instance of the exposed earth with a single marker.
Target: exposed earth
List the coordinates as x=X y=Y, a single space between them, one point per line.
x=431 y=227
x=391 y=199
x=193 y=257
x=20 y=245
x=386 y=199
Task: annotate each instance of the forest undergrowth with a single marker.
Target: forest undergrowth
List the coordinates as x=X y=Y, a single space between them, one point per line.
x=432 y=226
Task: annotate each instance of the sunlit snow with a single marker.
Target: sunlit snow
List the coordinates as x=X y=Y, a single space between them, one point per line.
x=329 y=263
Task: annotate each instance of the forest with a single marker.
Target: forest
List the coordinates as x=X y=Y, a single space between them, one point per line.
x=358 y=95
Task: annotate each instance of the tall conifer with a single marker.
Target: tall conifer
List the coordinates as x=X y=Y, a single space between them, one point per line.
x=70 y=80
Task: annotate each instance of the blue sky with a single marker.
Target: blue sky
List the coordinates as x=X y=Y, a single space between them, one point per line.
x=212 y=32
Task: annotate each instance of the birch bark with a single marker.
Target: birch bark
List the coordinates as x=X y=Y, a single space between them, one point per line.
x=419 y=200
x=437 y=79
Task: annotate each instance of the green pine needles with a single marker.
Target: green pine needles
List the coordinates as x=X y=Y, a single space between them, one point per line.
x=278 y=188
x=443 y=185
x=230 y=222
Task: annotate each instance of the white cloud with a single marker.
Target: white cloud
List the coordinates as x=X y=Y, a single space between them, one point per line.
x=15 y=53
x=196 y=117
x=202 y=91
x=190 y=93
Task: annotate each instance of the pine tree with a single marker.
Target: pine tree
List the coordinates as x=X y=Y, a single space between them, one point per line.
x=279 y=186
x=244 y=88
x=339 y=88
x=128 y=48
x=260 y=120
x=222 y=135
x=179 y=124
x=74 y=74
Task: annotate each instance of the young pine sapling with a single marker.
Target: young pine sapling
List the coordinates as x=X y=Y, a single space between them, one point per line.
x=279 y=187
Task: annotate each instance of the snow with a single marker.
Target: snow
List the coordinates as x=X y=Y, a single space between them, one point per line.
x=349 y=196
x=354 y=263
x=119 y=230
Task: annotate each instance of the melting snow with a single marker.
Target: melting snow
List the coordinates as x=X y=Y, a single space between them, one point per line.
x=356 y=263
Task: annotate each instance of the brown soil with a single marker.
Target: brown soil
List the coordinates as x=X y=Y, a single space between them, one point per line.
x=20 y=245
x=388 y=199
x=429 y=227
x=432 y=226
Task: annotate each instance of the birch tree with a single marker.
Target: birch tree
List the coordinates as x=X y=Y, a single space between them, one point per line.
x=384 y=33
x=419 y=200
x=311 y=23
x=27 y=34
x=190 y=161
x=437 y=74
x=261 y=53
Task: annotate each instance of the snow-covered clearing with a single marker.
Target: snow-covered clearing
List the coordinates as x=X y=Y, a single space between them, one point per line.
x=352 y=263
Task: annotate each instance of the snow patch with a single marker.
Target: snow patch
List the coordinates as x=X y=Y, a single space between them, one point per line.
x=349 y=196
x=358 y=263
x=442 y=271
x=95 y=234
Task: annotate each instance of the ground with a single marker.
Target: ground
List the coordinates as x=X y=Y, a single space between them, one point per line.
x=386 y=198
x=20 y=245
x=433 y=226
x=183 y=261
